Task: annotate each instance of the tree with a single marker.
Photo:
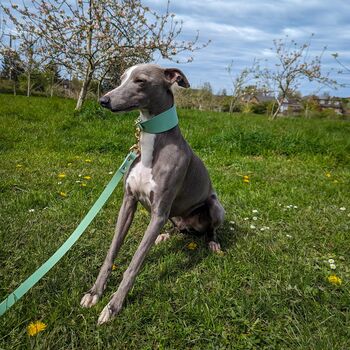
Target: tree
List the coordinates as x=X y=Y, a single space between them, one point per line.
x=223 y=92
x=344 y=69
x=294 y=63
x=239 y=82
x=31 y=60
x=204 y=96
x=87 y=36
x=12 y=66
x=52 y=75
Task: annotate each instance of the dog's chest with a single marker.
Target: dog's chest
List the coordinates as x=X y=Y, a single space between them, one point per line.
x=140 y=179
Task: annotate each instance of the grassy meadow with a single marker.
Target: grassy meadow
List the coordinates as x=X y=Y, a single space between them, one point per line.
x=285 y=185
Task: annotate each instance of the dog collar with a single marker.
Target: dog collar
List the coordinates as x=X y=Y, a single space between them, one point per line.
x=160 y=123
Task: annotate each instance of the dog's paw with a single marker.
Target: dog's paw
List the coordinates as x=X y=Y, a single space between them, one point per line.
x=106 y=315
x=215 y=247
x=89 y=300
x=162 y=238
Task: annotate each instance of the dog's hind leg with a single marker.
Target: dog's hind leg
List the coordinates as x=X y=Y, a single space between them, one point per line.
x=216 y=214
x=116 y=302
x=162 y=237
x=125 y=217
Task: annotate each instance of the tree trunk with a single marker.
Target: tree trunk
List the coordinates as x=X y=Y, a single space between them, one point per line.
x=84 y=89
x=28 y=84
x=275 y=114
x=98 y=90
x=51 y=87
x=231 y=105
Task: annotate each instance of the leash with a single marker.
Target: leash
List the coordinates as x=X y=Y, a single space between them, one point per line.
x=163 y=122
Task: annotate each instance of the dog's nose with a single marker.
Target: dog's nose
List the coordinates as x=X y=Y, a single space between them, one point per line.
x=105 y=101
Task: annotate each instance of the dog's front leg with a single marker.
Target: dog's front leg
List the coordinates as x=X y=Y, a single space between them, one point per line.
x=125 y=217
x=115 y=304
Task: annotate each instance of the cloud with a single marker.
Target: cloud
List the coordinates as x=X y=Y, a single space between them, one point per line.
x=241 y=31
x=244 y=30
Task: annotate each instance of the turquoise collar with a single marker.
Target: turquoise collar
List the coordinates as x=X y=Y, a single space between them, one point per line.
x=161 y=122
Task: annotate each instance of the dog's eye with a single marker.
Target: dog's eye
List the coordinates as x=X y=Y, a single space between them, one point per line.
x=140 y=81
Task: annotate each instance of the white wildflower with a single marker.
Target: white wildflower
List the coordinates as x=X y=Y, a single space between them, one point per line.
x=332 y=266
x=31 y=210
x=254 y=211
x=331 y=261
x=252 y=227
x=255 y=218
x=342 y=208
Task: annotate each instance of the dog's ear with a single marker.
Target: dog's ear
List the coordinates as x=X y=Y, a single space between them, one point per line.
x=174 y=75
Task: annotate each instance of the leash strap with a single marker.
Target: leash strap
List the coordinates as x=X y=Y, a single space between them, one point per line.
x=56 y=257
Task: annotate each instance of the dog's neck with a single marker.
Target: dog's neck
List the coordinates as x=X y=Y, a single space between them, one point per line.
x=157 y=105
x=147 y=141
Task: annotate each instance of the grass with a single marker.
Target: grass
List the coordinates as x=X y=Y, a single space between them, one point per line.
x=269 y=290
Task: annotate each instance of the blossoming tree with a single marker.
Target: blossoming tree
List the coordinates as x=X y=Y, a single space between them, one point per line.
x=294 y=63
x=88 y=36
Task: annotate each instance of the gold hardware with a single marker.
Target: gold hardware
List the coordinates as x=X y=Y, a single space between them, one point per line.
x=136 y=146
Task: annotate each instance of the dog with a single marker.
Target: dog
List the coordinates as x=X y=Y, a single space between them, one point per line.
x=167 y=178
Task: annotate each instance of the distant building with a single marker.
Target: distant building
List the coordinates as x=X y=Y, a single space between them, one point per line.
x=257 y=98
x=290 y=106
x=327 y=102
x=331 y=103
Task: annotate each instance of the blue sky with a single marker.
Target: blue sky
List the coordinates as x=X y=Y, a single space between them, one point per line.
x=244 y=30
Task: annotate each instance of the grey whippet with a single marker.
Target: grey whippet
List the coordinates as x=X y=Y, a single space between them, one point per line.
x=168 y=179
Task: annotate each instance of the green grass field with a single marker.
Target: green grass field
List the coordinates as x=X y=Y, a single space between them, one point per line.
x=270 y=290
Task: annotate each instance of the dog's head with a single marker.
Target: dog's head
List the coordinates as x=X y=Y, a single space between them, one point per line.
x=142 y=86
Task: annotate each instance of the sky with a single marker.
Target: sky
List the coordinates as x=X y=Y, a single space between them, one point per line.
x=244 y=30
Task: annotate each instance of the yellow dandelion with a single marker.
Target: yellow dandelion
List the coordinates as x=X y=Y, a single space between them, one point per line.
x=63 y=194
x=114 y=267
x=192 y=246
x=19 y=166
x=35 y=327
x=246 y=179
x=328 y=174
x=83 y=184
x=87 y=177
x=333 y=279
x=88 y=160
x=61 y=176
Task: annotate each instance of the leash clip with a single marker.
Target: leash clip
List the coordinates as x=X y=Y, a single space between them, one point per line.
x=136 y=147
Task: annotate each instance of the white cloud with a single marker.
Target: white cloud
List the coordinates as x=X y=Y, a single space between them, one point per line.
x=244 y=30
